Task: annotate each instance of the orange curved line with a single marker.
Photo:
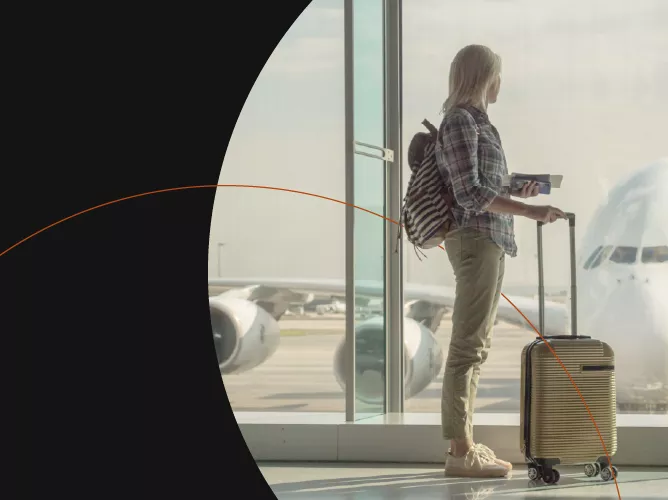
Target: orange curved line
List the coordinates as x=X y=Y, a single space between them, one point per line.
x=183 y=188
x=272 y=188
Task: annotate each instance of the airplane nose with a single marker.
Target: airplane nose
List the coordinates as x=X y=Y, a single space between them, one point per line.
x=633 y=277
x=631 y=304
x=633 y=320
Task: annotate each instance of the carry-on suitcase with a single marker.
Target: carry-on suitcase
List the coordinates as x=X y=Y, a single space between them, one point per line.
x=555 y=425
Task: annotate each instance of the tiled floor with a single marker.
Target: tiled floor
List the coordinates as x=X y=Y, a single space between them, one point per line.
x=379 y=481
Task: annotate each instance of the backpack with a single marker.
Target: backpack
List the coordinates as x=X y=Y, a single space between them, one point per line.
x=425 y=213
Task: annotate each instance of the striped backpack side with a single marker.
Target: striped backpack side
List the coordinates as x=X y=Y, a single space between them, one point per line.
x=425 y=213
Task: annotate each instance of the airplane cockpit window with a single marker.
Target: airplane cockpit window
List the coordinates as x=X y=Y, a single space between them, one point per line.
x=598 y=256
x=591 y=258
x=655 y=254
x=624 y=255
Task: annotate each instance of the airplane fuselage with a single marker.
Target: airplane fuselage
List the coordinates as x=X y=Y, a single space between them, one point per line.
x=623 y=285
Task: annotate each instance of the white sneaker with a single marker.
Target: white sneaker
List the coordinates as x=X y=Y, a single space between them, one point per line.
x=508 y=465
x=478 y=462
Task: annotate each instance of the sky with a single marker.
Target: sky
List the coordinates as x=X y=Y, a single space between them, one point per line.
x=584 y=94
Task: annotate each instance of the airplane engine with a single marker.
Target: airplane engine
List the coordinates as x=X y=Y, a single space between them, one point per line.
x=423 y=359
x=244 y=334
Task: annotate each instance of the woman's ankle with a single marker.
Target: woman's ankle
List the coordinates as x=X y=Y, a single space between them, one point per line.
x=460 y=447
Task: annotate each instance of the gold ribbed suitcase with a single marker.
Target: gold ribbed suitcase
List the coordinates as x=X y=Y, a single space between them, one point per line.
x=556 y=427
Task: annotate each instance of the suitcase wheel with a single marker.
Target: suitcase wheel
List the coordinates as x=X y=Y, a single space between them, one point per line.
x=534 y=473
x=606 y=473
x=592 y=470
x=551 y=476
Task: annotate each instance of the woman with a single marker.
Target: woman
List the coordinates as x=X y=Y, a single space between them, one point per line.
x=472 y=162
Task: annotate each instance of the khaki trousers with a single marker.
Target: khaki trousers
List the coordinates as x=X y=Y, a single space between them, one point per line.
x=479 y=265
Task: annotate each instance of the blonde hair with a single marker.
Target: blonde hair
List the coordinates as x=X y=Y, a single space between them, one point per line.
x=472 y=72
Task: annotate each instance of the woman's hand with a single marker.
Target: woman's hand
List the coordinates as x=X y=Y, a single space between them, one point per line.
x=529 y=190
x=545 y=214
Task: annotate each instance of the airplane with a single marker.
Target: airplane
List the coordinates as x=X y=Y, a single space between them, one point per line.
x=622 y=299
x=335 y=307
x=623 y=285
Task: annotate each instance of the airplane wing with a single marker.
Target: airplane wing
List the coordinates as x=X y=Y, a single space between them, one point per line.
x=366 y=289
x=270 y=292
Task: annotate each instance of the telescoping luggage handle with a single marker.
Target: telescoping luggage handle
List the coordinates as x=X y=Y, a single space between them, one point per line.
x=541 y=283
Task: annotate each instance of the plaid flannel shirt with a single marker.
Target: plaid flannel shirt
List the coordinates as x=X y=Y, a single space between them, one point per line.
x=470 y=158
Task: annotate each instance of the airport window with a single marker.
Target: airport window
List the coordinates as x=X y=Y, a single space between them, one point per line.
x=624 y=255
x=559 y=65
x=655 y=254
x=562 y=60
x=295 y=110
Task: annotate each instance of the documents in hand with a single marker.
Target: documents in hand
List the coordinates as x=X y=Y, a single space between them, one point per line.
x=545 y=181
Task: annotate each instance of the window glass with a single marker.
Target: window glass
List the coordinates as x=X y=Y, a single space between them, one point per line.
x=655 y=254
x=624 y=255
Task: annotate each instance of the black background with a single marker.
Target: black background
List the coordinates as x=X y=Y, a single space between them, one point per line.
x=116 y=389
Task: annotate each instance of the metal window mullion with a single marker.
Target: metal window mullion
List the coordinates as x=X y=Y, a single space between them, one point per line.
x=394 y=308
x=349 y=354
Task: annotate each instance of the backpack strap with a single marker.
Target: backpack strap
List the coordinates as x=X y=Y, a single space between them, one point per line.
x=432 y=130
